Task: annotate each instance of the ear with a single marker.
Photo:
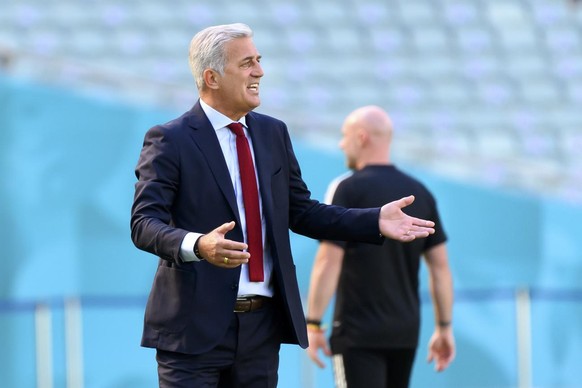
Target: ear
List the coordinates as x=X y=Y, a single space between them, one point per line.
x=362 y=137
x=211 y=78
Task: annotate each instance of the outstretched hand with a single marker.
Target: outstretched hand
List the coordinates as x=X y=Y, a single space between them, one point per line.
x=397 y=225
x=220 y=251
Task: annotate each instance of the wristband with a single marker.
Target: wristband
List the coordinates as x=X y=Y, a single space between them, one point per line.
x=314 y=322
x=196 y=251
x=444 y=323
x=314 y=325
x=315 y=328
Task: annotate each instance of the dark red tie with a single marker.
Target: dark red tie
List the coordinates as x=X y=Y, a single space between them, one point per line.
x=248 y=181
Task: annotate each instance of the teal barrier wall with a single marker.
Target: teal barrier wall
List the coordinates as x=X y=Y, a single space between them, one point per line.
x=67 y=165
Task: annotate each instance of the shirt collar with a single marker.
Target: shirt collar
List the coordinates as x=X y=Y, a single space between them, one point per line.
x=217 y=119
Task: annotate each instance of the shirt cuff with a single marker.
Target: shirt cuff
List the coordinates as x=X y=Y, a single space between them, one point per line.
x=187 y=247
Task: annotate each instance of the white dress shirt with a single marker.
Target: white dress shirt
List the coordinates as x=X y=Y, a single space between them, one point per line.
x=227 y=141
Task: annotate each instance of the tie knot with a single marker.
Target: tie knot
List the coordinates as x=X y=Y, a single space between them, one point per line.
x=237 y=128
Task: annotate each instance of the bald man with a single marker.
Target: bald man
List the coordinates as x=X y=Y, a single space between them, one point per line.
x=377 y=311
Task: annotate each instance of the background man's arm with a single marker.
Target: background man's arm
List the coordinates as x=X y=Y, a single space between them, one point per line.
x=441 y=347
x=324 y=279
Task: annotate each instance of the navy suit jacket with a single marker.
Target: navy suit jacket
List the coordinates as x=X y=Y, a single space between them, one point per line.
x=184 y=186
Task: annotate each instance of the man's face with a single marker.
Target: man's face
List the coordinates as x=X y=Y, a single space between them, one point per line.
x=349 y=144
x=239 y=86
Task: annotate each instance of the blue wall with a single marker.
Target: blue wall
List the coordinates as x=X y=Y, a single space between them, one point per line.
x=65 y=195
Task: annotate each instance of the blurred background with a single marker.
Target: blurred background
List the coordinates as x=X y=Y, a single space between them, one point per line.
x=486 y=96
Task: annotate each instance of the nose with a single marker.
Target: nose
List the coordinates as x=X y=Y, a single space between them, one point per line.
x=258 y=70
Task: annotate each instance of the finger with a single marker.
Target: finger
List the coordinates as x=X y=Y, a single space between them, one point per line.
x=225 y=228
x=327 y=351
x=317 y=360
x=421 y=229
x=441 y=365
x=443 y=361
x=230 y=245
x=419 y=233
x=235 y=251
x=312 y=352
x=232 y=260
x=405 y=201
x=419 y=222
x=430 y=357
x=407 y=237
x=225 y=262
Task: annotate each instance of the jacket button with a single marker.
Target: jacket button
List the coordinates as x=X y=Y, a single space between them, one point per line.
x=234 y=286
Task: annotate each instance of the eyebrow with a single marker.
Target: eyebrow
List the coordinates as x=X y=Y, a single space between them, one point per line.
x=251 y=57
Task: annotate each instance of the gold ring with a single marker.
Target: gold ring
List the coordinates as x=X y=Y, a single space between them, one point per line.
x=226 y=260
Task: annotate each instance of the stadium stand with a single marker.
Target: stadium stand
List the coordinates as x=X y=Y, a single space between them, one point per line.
x=495 y=85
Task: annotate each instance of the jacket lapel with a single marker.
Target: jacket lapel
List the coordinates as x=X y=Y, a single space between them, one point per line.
x=205 y=138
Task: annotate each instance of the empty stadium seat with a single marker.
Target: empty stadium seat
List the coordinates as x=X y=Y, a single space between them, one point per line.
x=506 y=66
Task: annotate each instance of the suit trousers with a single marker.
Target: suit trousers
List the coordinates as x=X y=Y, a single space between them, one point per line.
x=247 y=357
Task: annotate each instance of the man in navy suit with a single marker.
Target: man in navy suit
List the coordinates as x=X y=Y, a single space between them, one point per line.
x=211 y=325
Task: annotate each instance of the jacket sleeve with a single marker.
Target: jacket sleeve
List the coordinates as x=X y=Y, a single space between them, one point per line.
x=326 y=222
x=158 y=176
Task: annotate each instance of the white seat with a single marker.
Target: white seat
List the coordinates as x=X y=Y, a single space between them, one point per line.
x=540 y=91
x=389 y=39
x=547 y=12
x=539 y=142
x=373 y=13
x=451 y=91
x=453 y=143
x=417 y=13
x=566 y=66
x=285 y=13
x=481 y=66
x=475 y=39
x=506 y=14
x=196 y=15
x=345 y=41
x=407 y=91
x=574 y=91
x=329 y=13
x=495 y=91
x=496 y=143
x=528 y=65
x=440 y=66
x=565 y=39
x=302 y=41
x=431 y=39
x=522 y=38
x=461 y=13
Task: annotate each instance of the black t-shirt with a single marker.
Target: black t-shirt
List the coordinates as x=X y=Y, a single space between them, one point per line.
x=377 y=302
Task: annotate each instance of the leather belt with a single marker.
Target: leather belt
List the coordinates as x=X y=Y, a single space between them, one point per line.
x=250 y=303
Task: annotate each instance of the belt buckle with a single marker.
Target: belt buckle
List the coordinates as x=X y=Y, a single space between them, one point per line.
x=245 y=309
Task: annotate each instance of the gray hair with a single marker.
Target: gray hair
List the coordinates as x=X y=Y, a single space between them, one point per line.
x=207 y=48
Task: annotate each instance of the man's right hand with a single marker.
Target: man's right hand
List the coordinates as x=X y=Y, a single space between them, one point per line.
x=219 y=251
x=317 y=341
